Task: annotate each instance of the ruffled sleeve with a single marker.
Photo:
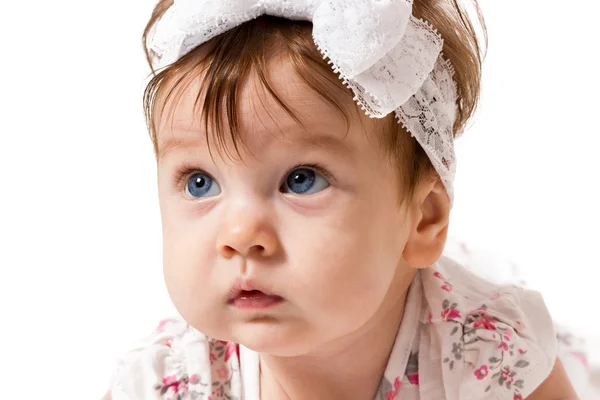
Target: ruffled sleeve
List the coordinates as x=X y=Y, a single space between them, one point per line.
x=483 y=341
x=177 y=362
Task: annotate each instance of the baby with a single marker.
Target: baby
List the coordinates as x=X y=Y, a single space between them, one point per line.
x=305 y=168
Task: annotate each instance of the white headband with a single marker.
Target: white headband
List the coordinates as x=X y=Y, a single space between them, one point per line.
x=391 y=60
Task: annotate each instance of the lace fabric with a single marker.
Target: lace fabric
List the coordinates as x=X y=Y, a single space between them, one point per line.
x=429 y=116
x=391 y=60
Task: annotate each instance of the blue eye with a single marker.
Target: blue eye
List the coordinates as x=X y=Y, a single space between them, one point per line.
x=304 y=181
x=201 y=185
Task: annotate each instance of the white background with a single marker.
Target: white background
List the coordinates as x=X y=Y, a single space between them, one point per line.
x=80 y=244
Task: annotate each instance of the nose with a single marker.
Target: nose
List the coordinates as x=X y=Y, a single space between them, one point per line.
x=247 y=232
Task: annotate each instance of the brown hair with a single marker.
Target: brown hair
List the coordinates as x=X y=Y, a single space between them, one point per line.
x=227 y=60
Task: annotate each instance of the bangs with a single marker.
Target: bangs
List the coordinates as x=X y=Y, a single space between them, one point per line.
x=223 y=65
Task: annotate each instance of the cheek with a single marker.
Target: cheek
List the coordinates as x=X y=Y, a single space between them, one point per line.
x=343 y=267
x=188 y=243
x=188 y=273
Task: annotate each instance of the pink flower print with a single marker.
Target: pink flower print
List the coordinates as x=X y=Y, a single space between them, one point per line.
x=518 y=397
x=163 y=323
x=392 y=394
x=450 y=314
x=503 y=346
x=169 y=342
x=169 y=380
x=495 y=297
x=223 y=373
x=482 y=372
x=486 y=322
x=521 y=351
x=506 y=374
x=212 y=358
x=231 y=349
x=194 y=379
x=413 y=379
x=582 y=358
x=430 y=318
x=173 y=383
x=446 y=286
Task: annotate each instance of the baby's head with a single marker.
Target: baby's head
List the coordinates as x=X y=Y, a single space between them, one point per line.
x=272 y=179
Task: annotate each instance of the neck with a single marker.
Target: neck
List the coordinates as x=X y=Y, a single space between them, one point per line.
x=349 y=368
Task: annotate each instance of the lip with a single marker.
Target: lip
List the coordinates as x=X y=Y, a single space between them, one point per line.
x=251 y=296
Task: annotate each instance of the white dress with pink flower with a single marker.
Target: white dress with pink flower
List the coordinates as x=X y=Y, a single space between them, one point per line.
x=461 y=338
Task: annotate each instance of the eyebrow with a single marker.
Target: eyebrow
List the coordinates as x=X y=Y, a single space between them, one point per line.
x=177 y=143
x=318 y=140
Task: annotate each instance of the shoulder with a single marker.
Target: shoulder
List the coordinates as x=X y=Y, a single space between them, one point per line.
x=492 y=341
x=173 y=361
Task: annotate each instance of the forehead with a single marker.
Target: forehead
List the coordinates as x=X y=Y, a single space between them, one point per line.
x=261 y=118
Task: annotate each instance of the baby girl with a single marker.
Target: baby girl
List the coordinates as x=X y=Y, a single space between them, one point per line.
x=305 y=153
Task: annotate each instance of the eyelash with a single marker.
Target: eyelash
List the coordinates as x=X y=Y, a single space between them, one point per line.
x=186 y=170
x=315 y=166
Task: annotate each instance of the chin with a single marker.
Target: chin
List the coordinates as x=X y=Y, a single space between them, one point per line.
x=273 y=338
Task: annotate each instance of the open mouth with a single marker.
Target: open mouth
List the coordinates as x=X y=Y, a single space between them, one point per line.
x=250 y=294
x=252 y=299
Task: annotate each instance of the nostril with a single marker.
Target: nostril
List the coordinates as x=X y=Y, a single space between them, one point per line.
x=258 y=249
x=228 y=251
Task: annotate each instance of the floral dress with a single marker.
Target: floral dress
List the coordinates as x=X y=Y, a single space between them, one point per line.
x=461 y=337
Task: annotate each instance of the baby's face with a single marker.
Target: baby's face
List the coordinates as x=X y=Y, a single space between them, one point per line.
x=310 y=217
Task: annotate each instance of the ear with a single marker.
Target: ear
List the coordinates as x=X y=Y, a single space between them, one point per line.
x=429 y=215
